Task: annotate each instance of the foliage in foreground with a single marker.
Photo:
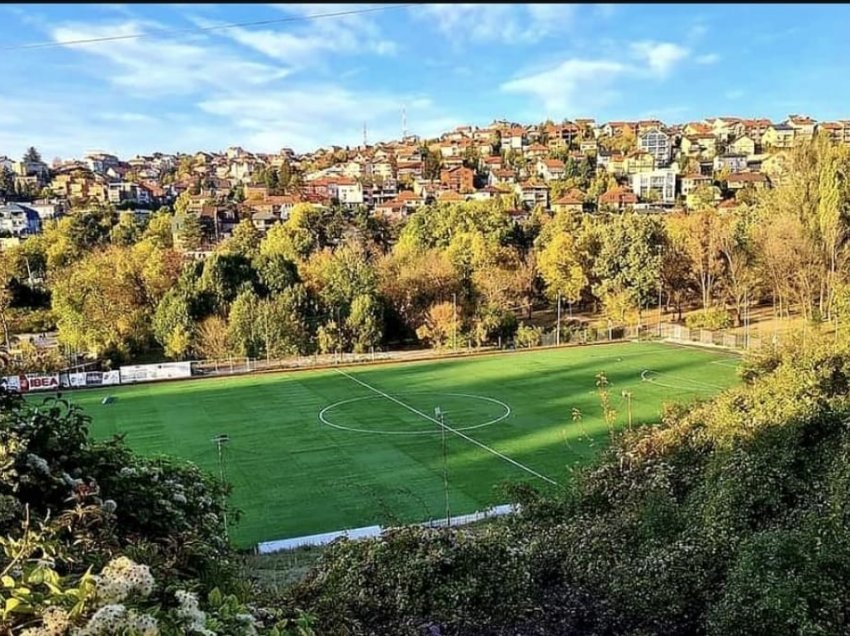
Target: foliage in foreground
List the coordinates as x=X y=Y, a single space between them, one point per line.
x=729 y=517
x=97 y=540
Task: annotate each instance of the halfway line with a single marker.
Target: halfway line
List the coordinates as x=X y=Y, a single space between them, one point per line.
x=450 y=429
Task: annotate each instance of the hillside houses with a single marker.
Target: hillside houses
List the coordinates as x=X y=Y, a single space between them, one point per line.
x=654 y=166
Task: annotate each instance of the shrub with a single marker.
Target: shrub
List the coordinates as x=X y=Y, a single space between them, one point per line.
x=712 y=319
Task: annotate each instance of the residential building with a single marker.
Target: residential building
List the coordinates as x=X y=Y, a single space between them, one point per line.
x=19 y=220
x=744 y=179
x=459 y=179
x=507 y=176
x=745 y=145
x=122 y=191
x=778 y=136
x=661 y=182
x=804 y=127
x=693 y=181
x=532 y=194
x=699 y=145
x=638 y=161
x=731 y=162
x=657 y=143
x=345 y=190
x=572 y=201
x=264 y=221
x=549 y=169
x=618 y=198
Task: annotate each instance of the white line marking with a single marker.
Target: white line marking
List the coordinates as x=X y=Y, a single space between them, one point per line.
x=450 y=429
x=323 y=414
x=705 y=386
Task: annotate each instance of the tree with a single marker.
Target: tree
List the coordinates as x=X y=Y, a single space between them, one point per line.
x=173 y=326
x=276 y=272
x=5 y=299
x=158 y=229
x=699 y=235
x=245 y=239
x=363 y=323
x=7 y=181
x=440 y=325
x=191 y=233
x=212 y=340
x=528 y=336
x=127 y=231
x=281 y=323
x=629 y=257
x=32 y=155
x=245 y=325
x=561 y=269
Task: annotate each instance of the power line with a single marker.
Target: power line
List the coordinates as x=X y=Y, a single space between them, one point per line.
x=111 y=38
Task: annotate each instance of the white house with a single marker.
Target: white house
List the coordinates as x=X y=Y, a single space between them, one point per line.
x=17 y=219
x=661 y=181
x=345 y=190
x=657 y=143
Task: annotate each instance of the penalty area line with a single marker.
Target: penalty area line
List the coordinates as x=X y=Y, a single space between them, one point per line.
x=449 y=428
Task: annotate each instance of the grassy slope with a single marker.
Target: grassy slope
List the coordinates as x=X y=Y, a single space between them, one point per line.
x=293 y=475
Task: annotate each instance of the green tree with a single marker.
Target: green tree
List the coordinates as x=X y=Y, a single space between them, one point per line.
x=363 y=323
x=31 y=155
x=173 y=326
x=191 y=234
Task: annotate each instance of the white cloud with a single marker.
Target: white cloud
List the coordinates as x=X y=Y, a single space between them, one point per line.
x=158 y=66
x=572 y=85
x=708 y=58
x=660 y=56
x=579 y=85
x=302 y=44
x=317 y=115
x=497 y=22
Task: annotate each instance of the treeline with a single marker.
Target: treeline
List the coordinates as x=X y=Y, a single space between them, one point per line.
x=331 y=279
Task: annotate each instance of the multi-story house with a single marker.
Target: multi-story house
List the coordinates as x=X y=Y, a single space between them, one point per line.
x=657 y=143
x=459 y=179
x=345 y=190
x=532 y=194
x=778 y=136
x=661 y=181
x=549 y=169
x=744 y=145
x=804 y=127
x=638 y=161
x=19 y=220
x=122 y=191
x=618 y=198
x=731 y=162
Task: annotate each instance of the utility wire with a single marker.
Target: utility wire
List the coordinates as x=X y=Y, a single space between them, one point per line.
x=111 y=38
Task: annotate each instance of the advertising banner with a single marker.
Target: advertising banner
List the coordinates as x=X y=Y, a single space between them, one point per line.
x=41 y=383
x=146 y=372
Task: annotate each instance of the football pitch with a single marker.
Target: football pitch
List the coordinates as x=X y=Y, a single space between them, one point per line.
x=324 y=450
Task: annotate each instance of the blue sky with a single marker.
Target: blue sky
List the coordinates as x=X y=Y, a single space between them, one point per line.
x=305 y=84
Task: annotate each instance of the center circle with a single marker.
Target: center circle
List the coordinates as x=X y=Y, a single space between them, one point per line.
x=461 y=412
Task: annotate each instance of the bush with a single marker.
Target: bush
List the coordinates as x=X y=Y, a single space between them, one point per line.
x=32 y=321
x=712 y=319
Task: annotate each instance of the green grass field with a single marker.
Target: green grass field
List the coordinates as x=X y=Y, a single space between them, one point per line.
x=375 y=454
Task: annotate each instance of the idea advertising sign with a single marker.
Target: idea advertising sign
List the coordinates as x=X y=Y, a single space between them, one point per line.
x=26 y=383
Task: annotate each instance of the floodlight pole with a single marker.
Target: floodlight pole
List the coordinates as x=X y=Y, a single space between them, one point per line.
x=439 y=413
x=558 y=332
x=219 y=441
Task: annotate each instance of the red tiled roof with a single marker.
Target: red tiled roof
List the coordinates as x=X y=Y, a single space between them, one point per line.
x=618 y=195
x=568 y=199
x=747 y=177
x=556 y=164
